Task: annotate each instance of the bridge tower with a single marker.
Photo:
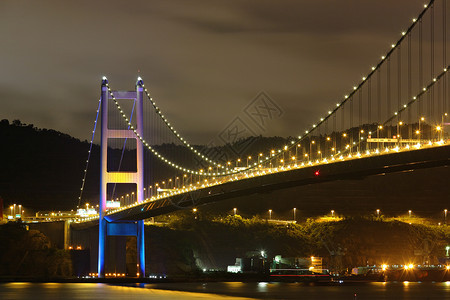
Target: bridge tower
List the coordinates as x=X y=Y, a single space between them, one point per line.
x=107 y=228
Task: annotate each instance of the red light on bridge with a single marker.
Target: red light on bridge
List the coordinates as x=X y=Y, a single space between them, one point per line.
x=317 y=173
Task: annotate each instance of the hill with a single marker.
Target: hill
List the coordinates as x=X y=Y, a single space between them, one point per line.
x=42 y=169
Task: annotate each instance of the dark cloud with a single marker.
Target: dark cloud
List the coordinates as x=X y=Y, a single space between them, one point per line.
x=203 y=60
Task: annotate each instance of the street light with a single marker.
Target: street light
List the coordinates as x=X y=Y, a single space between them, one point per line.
x=235 y=210
x=445 y=216
x=378 y=213
x=248 y=158
x=443 y=124
x=270 y=214
x=332 y=213
x=409 y=213
x=439 y=129
x=344 y=135
x=359 y=139
x=310 y=149
x=379 y=127
x=418 y=132
x=326 y=147
x=295 y=209
x=398 y=132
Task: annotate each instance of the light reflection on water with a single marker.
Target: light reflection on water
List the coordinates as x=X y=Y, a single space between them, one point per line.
x=84 y=291
x=230 y=290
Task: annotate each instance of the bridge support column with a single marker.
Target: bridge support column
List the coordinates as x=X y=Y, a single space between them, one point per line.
x=117 y=228
x=141 y=248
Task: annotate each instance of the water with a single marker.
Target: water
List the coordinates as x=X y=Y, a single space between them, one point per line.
x=225 y=290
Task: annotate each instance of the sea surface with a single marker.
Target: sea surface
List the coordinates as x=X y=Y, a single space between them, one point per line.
x=225 y=290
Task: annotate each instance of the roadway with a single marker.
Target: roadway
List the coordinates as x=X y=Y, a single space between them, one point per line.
x=290 y=176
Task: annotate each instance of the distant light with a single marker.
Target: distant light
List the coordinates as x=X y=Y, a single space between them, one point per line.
x=317 y=173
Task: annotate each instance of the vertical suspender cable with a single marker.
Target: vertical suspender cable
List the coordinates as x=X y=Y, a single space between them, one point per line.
x=334 y=131
x=388 y=93
x=379 y=96
x=399 y=80
x=410 y=129
x=369 y=101
x=419 y=109
x=444 y=53
x=431 y=104
x=360 y=108
x=351 y=112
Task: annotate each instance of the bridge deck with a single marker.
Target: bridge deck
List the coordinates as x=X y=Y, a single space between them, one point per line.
x=338 y=170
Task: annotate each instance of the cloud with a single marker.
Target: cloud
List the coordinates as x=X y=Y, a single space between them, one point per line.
x=203 y=60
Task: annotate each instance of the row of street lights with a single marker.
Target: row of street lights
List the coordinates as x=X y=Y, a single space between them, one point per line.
x=281 y=161
x=332 y=213
x=348 y=146
x=16 y=211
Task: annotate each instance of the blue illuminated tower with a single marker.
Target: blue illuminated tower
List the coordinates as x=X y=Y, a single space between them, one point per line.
x=107 y=228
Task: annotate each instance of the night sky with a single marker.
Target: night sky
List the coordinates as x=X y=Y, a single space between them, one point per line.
x=203 y=61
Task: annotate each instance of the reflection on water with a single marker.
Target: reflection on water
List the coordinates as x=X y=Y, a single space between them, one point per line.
x=279 y=290
x=84 y=291
x=230 y=290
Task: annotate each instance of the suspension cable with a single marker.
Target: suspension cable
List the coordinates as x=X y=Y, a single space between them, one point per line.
x=156 y=153
x=340 y=105
x=89 y=154
x=186 y=143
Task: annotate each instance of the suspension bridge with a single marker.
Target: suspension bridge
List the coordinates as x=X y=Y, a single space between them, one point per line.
x=394 y=119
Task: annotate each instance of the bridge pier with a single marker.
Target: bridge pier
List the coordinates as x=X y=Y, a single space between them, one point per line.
x=110 y=227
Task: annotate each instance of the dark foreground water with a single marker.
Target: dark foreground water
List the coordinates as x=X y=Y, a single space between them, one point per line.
x=224 y=290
